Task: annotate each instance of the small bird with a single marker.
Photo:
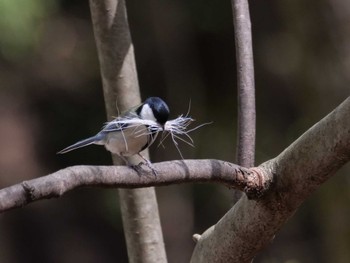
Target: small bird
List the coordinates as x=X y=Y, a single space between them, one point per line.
x=131 y=132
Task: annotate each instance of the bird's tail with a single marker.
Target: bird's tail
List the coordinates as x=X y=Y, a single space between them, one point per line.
x=82 y=143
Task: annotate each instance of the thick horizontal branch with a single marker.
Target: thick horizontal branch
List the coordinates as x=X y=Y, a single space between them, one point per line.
x=252 y=181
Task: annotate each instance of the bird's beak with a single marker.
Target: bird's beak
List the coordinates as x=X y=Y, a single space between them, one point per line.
x=162 y=126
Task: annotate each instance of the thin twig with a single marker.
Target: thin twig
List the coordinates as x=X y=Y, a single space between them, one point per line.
x=245 y=81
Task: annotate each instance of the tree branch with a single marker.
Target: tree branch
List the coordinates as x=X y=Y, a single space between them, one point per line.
x=250 y=225
x=283 y=183
x=253 y=181
x=245 y=82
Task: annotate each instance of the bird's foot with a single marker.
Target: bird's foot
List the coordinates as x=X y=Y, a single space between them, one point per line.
x=138 y=167
x=148 y=164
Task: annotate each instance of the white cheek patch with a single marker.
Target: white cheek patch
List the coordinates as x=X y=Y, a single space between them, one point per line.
x=147 y=113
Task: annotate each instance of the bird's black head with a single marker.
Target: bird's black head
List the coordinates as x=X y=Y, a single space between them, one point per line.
x=154 y=108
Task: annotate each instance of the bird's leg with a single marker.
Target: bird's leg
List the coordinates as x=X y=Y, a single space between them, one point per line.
x=148 y=164
x=135 y=167
x=127 y=163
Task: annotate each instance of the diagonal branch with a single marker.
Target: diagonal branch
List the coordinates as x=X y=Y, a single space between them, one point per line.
x=251 y=225
x=252 y=181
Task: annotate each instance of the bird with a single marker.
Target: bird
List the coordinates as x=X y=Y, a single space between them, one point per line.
x=131 y=132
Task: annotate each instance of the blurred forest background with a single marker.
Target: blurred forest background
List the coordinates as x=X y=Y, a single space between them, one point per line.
x=51 y=96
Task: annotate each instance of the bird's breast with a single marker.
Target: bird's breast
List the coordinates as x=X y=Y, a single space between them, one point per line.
x=128 y=142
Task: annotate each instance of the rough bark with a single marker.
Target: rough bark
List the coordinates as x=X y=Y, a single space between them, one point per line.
x=250 y=225
x=121 y=91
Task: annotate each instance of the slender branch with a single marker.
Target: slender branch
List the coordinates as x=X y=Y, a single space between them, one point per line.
x=139 y=207
x=251 y=225
x=252 y=181
x=245 y=81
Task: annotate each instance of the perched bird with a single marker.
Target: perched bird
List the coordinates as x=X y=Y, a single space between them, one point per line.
x=131 y=132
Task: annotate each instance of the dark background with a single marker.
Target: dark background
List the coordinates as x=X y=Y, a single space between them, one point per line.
x=51 y=96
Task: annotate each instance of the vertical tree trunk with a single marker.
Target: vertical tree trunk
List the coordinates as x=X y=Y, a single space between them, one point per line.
x=246 y=129
x=121 y=91
x=245 y=81
x=204 y=251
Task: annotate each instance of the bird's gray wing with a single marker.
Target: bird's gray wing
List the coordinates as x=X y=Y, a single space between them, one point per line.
x=117 y=124
x=112 y=127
